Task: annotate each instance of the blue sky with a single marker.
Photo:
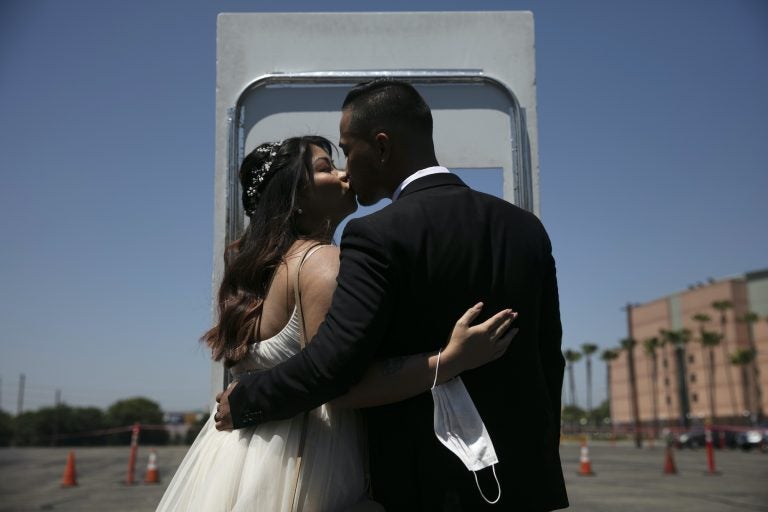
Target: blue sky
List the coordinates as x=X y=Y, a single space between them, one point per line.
x=652 y=142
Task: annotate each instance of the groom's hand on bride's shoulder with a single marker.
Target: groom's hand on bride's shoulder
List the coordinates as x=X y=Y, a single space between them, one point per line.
x=223 y=417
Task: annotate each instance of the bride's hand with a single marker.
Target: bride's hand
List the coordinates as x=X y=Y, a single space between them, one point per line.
x=471 y=346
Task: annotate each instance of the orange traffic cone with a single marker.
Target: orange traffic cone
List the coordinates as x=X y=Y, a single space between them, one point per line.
x=669 y=462
x=152 y=476
x=586 y=465
x=70 y=478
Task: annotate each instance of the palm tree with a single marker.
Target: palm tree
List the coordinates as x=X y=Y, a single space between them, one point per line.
x=650 y=345
x=677 y=339
x=750 y=319
x=608 y=356
x=628 y=344
x=588 y=349
x=723 y=306
x=572 y=356
x=665 y=345
x=703 y=319
x=709 y=340
x=743 y=358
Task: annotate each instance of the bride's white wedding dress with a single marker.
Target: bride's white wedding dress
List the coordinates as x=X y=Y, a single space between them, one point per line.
x=254 y=469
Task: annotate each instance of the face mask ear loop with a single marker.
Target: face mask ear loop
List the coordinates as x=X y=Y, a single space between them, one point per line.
x=498 y=486
x=437 y=368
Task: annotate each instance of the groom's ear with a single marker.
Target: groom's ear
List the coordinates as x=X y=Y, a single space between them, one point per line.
x=383 y=146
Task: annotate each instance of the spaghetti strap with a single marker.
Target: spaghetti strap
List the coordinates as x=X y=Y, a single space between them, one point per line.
x=303 y=343
x=297 y=290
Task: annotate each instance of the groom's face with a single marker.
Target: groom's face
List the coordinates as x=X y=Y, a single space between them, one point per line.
x=363 y=162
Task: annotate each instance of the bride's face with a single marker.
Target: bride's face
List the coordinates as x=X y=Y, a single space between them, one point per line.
x=330 y=197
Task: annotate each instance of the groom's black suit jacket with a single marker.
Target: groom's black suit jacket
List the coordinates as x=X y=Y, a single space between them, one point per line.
x=408 y=272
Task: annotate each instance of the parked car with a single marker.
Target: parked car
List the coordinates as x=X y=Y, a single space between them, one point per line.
x=755 y=438
x=696 y=438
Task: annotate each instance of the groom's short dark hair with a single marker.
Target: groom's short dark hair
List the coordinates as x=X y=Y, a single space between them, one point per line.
x=386 y=103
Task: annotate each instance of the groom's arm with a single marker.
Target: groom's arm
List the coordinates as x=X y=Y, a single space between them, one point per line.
x=343 y=347
x=551 y=332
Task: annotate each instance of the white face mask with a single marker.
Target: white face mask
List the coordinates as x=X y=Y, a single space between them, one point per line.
x=460 y=428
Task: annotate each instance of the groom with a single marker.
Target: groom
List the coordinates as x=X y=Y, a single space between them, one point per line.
x=407 y=272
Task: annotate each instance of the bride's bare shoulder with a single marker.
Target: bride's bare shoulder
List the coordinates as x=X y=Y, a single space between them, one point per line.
x=311 y=253
x=321 y=263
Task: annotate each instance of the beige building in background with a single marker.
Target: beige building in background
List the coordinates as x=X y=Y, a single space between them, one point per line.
x=675 y=399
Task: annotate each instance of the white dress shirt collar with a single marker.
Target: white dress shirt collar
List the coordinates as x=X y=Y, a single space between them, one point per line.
x=418 y=174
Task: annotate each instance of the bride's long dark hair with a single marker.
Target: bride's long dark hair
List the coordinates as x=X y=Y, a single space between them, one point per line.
x=252 y=260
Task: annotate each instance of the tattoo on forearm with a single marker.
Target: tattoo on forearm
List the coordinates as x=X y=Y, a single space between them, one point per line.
x=393 y=365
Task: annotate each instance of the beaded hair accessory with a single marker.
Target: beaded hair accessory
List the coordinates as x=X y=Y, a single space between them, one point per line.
x=259 y=176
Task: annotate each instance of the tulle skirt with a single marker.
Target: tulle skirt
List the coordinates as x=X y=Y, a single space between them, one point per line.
x=254 y=469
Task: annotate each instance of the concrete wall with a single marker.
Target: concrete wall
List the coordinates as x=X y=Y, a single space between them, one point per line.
x=474 y=126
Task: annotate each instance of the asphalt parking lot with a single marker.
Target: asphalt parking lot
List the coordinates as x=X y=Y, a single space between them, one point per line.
x=627 y=479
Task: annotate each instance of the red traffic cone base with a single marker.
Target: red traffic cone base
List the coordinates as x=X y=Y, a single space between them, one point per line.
x=152 y=476
x=585 y=468
x=669 y=462
x=70 y=476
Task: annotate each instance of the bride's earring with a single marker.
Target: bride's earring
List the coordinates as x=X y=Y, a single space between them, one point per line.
x=299 y=211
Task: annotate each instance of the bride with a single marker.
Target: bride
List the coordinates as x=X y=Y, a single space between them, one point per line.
x=277 y=287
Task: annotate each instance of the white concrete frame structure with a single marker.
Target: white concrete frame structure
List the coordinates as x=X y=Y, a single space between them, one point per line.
x=284 y=74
